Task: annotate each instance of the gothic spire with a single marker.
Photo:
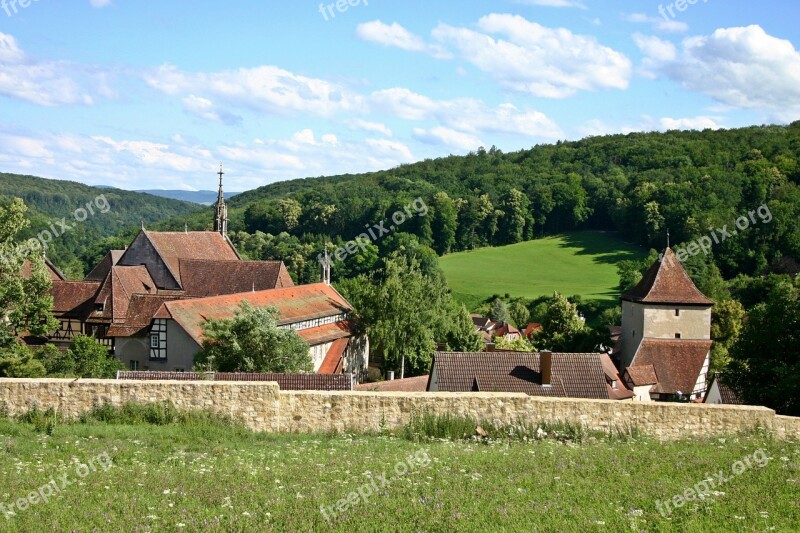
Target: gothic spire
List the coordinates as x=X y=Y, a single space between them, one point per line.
x=221 y=215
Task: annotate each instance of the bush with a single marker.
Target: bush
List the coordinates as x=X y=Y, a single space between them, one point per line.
x=19 y=361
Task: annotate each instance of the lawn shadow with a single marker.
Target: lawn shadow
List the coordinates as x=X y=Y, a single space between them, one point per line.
x=606 y=246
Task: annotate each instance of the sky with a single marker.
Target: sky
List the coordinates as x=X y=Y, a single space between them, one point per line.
x=156 y=94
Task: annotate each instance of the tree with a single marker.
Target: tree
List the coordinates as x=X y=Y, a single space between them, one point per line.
x=252 y=342
x=445 y=222
x=519 y=314
x=520 y=344
x=25 y=302
x=462 y=336
x=727 y=321
x=498 y=311
x=515 y=208
x=560 y=324
x=85 y=358
x=766 y=359
x=18 y=361
x=404 y=312
x=290 y=211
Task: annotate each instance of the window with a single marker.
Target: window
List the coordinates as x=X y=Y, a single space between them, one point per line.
x=158 y=340
x=677 y=312
x=677 y=335
x=134 y=366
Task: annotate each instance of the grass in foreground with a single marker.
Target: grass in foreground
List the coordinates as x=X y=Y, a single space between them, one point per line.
x=582 y=263
x=195 y=473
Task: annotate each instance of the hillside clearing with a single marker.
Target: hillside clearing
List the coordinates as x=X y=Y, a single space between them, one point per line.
x=582 y=263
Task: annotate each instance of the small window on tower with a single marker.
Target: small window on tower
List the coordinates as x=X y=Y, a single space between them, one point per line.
x=677 y=335
x=677 y=312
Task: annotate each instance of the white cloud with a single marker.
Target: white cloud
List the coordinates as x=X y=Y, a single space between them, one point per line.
x=180 y=163
x=658 y=23
x=41 y=83
x=395 y=35
x=740 y=67
x=204 y=108
x=100 y=3
x=445 y=136
x=696 y=123
x=531 y=58
x=365 y=125
x=554 y=3
x=467 y=115
x=267 y=89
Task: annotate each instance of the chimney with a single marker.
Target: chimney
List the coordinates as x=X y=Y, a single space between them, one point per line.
x=546 y=367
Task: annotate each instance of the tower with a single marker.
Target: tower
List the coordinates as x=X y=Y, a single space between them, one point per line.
x=221 y=214
x=666 y=332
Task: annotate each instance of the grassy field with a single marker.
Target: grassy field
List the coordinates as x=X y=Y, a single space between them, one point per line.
x=217 y=478
x=581 y=263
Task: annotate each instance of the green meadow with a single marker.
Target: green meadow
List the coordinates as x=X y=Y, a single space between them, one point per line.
x=217 y=477
x=582 y=263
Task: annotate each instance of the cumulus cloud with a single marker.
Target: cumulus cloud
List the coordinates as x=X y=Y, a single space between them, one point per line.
x=46 y=83
x=742 y=67
x=204 y=108
x=180 y=163
x=466 y=115
x=365 y=125
x=267 y=89
x=696 y=123
x=658 y=23
x=395 y=35
x=534 y=59
x=441 y=136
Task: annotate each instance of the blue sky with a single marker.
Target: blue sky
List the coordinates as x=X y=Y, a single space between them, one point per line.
x=156 y=94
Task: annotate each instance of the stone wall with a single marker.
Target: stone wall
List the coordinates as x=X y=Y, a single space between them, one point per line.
x=263 y=407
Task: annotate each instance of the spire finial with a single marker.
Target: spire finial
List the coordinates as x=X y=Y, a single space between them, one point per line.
x=142 y=224
x=667 y=237
x=220 y=174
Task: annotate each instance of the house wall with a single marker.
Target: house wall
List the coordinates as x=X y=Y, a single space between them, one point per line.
x=632 y=330
x=702 y=379
x=356 y=358
x=263 y=407
x=181 y=350
x=714 y=397
x=693 y=323
x=128 y=349
x=643 y=393
x=641 y=321
x=142 y=252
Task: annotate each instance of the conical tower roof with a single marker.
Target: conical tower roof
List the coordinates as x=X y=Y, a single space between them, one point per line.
x=666 y=282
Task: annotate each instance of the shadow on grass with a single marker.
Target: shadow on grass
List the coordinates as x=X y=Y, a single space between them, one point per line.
x=604 y=245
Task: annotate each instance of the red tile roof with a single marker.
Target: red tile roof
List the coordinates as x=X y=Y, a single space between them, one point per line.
x=642 y=375
x=573 y=375
x=100 y=272
x=296 y=304
x=333 y=362
x=201 y=278
x=121 y=284
x=417 y=384
x=323 y=382
x=727 y=395
x=74 y=299
x=327 y=333
x=666 y=282
x=174 y=246
x=677 y=363
x=140 y=314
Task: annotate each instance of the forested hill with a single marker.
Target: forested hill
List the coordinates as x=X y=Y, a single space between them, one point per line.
x=640 y=184
x=49 y=201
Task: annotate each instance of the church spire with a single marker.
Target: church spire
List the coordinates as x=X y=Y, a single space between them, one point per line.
x=221 y=216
